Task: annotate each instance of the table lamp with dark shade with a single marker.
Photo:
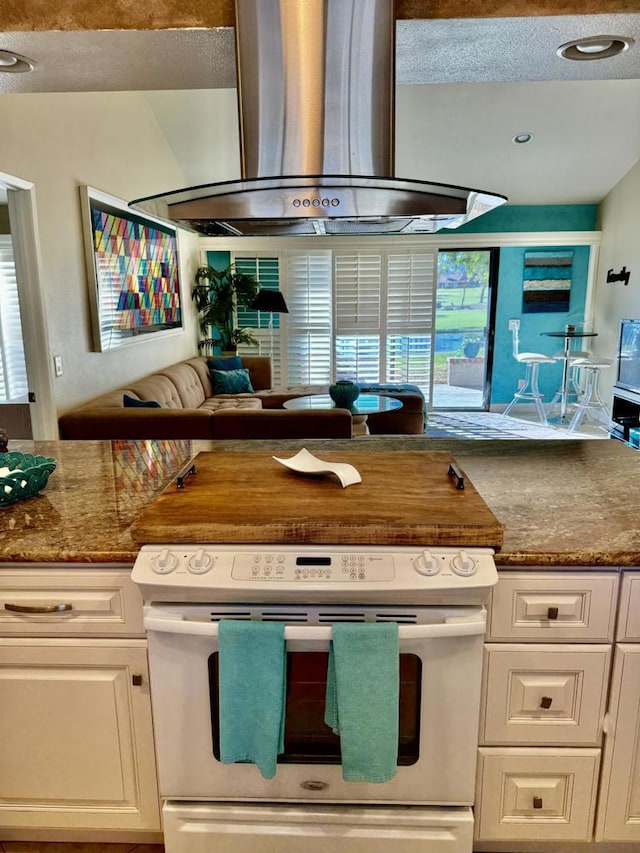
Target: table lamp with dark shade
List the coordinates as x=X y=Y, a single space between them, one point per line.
x=271 y=302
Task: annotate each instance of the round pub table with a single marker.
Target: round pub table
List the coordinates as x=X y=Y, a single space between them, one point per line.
x=569 y=336
x=365 y=405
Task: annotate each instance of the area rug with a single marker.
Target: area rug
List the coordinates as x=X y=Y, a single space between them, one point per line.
x=492 y=425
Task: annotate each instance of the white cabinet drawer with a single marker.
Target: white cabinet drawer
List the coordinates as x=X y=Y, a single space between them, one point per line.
x=549 y=606
x=541 y=694
x=52 y=601
x=629 y=621
x=526 y=794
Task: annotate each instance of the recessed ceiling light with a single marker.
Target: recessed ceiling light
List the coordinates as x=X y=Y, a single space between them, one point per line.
x=595 y=47
x=13 y=63
x=523 y=137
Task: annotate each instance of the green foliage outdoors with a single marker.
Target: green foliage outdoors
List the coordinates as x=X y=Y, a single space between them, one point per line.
x=451 y=313
x=461 y=303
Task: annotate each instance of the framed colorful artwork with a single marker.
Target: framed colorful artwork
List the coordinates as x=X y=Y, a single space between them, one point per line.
x=132 y=265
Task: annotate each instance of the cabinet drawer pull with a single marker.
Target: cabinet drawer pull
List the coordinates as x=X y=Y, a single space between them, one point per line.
x=552 y=612
x=537 y=802
x=44 y=608
x=546 y=701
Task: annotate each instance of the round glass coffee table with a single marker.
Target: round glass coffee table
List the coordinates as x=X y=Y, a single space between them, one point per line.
x=365 y=405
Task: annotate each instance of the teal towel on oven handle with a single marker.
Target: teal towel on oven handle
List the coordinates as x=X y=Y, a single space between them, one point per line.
x=363 y=683
x=252 y=686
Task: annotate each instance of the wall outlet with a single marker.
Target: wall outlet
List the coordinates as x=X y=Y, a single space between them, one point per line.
x=514 y=325
x=57 y=365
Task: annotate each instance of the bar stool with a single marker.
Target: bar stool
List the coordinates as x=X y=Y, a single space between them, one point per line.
x=591 y=401
x=574 y=386
x=529 y=391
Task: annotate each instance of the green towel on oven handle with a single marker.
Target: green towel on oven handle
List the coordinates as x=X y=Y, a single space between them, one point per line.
x=363 y=683
x=252 y=687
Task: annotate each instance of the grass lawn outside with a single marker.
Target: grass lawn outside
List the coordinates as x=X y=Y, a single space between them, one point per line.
x=469 y=320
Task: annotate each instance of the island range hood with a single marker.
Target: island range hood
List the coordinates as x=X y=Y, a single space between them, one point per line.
x=316 y=83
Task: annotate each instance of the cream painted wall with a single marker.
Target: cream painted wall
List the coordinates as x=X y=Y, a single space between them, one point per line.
x=619 y=217
x=110 y=141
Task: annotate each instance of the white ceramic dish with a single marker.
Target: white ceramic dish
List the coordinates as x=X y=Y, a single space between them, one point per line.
x=306 y=463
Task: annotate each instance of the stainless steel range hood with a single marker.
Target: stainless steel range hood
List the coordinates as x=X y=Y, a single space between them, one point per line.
x=315 y=90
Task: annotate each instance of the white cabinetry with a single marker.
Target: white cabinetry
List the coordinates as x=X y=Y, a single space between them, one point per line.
x=529 y=794
x=76 y=753
x=546 y=676
x=540 y=694
x=619 y=813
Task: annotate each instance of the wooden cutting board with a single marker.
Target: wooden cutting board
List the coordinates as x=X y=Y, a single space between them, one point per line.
x=403 y=499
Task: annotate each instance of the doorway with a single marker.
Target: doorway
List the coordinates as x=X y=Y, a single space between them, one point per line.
x=27 y=408
x=15 y=417
x=464 y=328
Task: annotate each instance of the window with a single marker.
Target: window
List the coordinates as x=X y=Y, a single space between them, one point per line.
x=358 y=311
x=410 y=290
x=384 y=316
x=351 y=314
x=308 y=294
x=13 y=371
x=266 y=270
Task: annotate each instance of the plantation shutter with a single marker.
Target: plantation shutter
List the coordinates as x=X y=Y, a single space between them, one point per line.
x=359 y=315
x=13 y=371
x=309 y=326
x=411 y=281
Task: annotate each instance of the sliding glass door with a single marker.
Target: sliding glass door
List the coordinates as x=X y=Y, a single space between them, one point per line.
x=464 y=320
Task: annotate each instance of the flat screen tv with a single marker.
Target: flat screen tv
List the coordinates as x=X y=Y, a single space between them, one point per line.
x=629 y=355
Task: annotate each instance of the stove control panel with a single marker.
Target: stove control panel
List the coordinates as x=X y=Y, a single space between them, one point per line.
x=320 y=568
x=225 y=572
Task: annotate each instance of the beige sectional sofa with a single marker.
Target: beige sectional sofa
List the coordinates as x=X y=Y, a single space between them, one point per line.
x=190 y=409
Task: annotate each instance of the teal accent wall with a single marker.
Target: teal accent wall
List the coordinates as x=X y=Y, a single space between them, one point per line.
x=507 y=371
x=522 y=217
x=218 y=260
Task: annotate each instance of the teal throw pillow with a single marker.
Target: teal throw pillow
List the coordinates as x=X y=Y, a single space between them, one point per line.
x=231 y=381
x=234 y=362
x=131 y=403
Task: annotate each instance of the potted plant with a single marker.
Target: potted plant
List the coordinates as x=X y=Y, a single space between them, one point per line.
x=472 y=347
x=217 y=294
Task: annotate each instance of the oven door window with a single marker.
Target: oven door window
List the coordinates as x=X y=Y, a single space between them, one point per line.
x=308 y=740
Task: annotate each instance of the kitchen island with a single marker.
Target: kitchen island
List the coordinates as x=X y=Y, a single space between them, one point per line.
x=564 y=503
x=564 y=622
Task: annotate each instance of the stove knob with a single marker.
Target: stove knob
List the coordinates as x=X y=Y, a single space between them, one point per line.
x=164 y=562
x=200 y=563
x=427 y=564
x=464 y=565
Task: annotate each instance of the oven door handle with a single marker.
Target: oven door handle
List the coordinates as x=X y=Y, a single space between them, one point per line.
x=457 y=626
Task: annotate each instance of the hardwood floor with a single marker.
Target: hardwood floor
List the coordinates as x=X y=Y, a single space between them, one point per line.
x=76 y=847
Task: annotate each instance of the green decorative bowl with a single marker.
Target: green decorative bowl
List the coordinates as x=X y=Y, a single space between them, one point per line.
x=29 y=475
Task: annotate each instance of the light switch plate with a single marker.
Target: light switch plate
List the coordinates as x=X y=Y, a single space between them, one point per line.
x=57 y=365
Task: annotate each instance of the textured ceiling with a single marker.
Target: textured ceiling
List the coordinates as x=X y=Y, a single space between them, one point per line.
x=465 y=87
x=435 y=51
